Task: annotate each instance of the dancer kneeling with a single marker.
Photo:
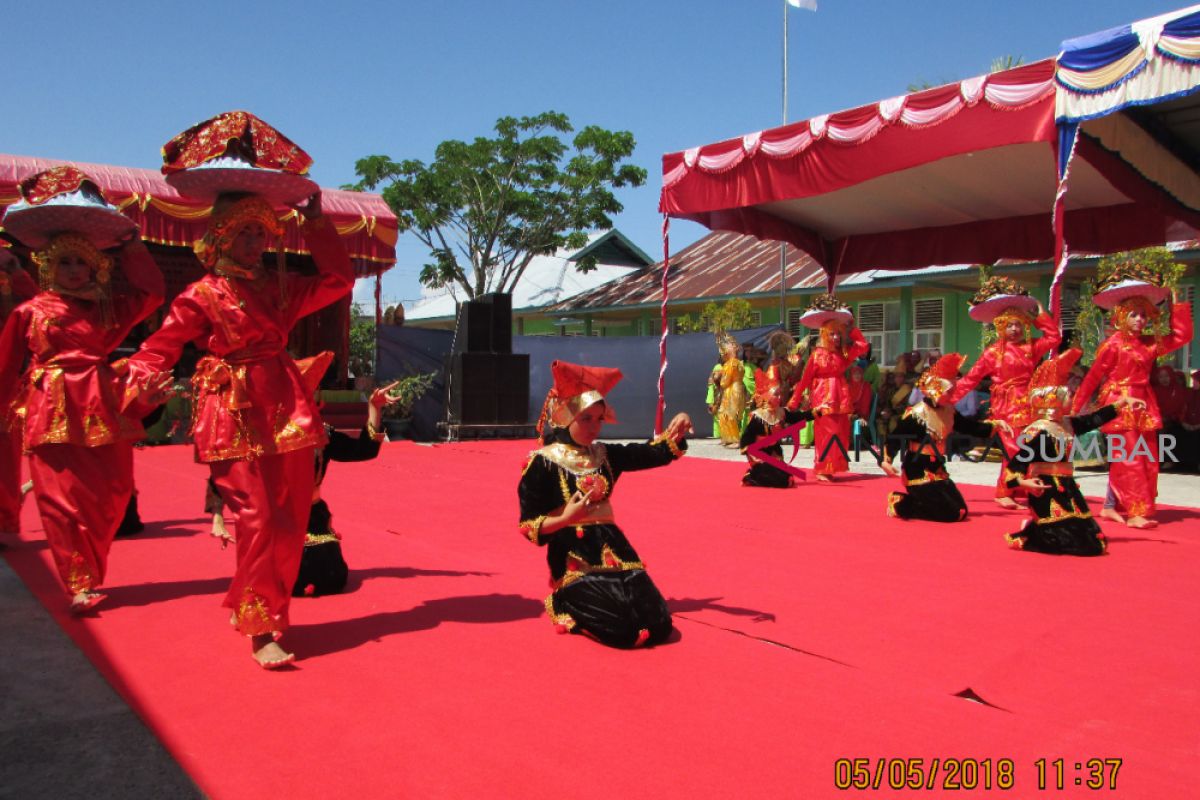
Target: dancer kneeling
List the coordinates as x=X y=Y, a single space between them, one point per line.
x=1060 y=521
x=920 y=437
x=600 y=585
x=768 y=418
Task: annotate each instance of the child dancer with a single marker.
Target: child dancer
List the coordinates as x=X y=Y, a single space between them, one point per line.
x=1060 y=521
x=920 y=438
x=600 y=585
x=768 y=417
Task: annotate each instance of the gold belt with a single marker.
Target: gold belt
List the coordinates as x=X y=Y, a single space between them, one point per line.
x=1061 y=469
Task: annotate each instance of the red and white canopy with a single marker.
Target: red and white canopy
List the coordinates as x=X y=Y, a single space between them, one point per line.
x=366 y=224
x=964 y=173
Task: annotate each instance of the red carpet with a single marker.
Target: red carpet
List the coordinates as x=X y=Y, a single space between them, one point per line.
x=812 y=628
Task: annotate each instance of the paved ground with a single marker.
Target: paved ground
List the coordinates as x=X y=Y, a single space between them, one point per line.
x=64 y=732
x=1174 y=488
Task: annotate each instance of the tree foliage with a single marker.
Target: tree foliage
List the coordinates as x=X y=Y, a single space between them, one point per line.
x=486 y=208
x=734 y=314
x=1091 y=322
x=362 y=342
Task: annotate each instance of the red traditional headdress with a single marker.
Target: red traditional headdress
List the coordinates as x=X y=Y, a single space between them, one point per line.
x=575 y=388
x=1048 y=392
x=939 y=378
x=64 y=179
x=239 y=134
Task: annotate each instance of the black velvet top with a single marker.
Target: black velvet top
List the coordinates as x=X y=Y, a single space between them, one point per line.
x=920 y=439
x=560 y=468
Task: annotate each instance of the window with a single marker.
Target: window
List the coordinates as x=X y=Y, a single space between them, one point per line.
x=793 y=322
x=927 y=325
x=1070 y=308
x=880 y=324
x=755 y=319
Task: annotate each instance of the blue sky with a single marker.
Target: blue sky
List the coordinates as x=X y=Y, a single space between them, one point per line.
x=111 y=82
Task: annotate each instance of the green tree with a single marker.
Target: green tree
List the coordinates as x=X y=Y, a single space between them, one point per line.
x=486 y=208
x=998 y=65
x=734 y=314
x=1157 y=263
x=362 y=342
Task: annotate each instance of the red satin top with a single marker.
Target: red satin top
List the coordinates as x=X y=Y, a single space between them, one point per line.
x=1011 y=366
x=825 y=375
x=70 y=394
x=1122 y=366
x=249 y=399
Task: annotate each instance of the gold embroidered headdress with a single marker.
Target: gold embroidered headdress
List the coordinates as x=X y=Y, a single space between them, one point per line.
x=65 y=244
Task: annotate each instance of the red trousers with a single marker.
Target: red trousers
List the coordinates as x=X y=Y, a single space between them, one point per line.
x=10 y=482
x=1134 y=480
x=831 y=437
x=81 y=494
x=270 y=498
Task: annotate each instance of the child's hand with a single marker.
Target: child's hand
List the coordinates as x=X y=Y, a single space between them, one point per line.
x=889 y=468
x=1033 y=486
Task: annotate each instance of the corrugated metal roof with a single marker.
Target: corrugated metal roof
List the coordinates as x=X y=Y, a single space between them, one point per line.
x=720 y=264
x=723 y=264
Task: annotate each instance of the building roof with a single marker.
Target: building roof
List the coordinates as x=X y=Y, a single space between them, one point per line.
x=550 y=279
x=724 y=264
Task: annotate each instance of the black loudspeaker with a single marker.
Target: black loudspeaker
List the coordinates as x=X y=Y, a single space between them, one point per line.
x=474 y=328
x=489 y=388
x=501 y=320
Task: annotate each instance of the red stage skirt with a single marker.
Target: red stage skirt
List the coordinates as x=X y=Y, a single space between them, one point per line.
x=10 y=483
x=81 y=494
x=1134 y=481
x=270 y=498
x=831 y=431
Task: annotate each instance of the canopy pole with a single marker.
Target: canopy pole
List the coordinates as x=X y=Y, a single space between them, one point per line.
x=783 y=245
x=378 y=318
x=662 y=339
x=1068 y=136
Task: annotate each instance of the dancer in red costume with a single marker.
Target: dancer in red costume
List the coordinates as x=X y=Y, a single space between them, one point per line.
x=824 y=379
x=15 y=287
x=254 y=422
x=1009 y=362
x=80 y=446
x=1122 y=367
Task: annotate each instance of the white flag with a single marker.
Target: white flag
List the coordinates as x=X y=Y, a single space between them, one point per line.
x=811 y=5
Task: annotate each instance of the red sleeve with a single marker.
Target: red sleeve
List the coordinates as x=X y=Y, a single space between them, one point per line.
x=149 y=288
x=858 y=344
x=1181 y=329
x=335 y=273
x=185 y=321
x=804 y=383
x=1050 y=339
x=13 y=351
x=985 y=366
x=23 y=287
x=1106 y=359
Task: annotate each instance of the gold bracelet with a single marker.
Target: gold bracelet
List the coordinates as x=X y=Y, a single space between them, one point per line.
x=670 y=443
x=374 y=432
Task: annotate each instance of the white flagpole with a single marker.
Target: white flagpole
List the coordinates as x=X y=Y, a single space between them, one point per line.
x=783 y=245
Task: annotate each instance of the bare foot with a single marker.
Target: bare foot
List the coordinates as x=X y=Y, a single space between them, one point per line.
x=1111 y=515
x=268 y=653
x=220 y=532
x=1007 y=502
x=1141 y=522
x=85 y=602
x=825 y=478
